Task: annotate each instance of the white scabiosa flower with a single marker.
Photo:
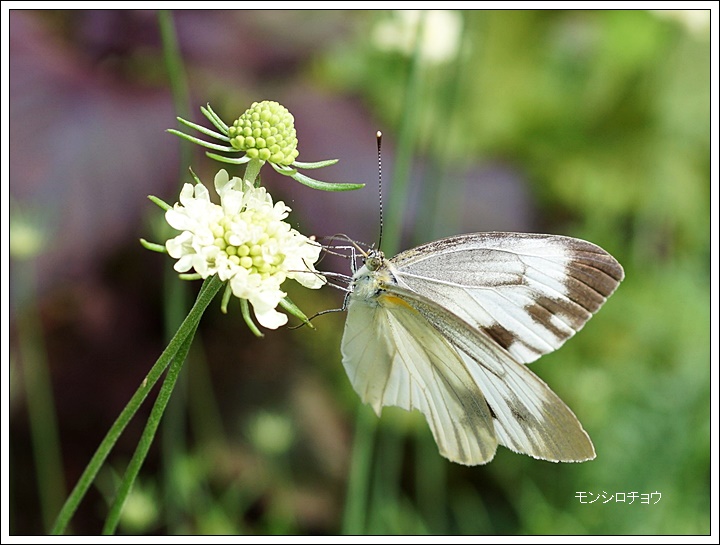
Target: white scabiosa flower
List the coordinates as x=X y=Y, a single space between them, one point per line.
x=439 y=42
x=243 y=240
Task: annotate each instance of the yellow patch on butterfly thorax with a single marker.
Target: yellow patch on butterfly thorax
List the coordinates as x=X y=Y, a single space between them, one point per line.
x=388 y=300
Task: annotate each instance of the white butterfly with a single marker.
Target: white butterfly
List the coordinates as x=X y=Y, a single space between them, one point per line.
x=447 y=327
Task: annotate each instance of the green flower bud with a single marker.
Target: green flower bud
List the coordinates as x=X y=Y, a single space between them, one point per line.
x=266 y=131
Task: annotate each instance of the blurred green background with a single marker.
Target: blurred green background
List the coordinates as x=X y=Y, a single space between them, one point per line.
x=592 y=124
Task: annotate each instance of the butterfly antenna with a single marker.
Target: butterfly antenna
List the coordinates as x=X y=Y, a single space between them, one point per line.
x=379 y=143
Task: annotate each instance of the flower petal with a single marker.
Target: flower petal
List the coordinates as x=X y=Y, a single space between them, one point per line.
x=271 y=319
x=221 y=180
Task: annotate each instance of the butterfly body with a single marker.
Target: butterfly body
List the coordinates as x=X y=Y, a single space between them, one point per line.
x=447 y=328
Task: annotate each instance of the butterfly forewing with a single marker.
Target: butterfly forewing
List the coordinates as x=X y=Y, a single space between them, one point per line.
x=530 y=293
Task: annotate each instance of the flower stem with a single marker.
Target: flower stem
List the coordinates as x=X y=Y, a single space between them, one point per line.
x=356 y=504
x=407 y=139
x=175 y=300
x=40 y=404
x=184 y=333
x=252 y=170
x=174 y=64
x=147 y=437
x=356 y=518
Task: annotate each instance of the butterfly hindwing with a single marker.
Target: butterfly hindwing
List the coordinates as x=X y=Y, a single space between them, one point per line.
x=528 y=417
x=403 y=350
x=393 y=358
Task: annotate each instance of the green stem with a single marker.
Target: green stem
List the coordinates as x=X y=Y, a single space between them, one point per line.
x=384 y=514
x=205 y=416
x=354 y=516
x=431 y=484
x=442 y=196
x=407 y=138
x=147 y=437
x=40 y=404
x=252 y=170
x=209 y=289
x=175 y=300
x=174 y=64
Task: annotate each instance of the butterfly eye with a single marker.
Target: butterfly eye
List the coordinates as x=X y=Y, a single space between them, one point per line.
x=374 y=260
x=373 y=263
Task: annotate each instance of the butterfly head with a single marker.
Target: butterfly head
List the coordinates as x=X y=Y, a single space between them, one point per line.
x=374 y=260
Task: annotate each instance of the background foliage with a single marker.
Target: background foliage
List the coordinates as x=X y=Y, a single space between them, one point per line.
x=592 y=124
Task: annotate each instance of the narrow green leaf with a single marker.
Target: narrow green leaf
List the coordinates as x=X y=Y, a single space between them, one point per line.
x=203 y=130
x=245 y=307
x=282 y=169
x=147 y=437
x=214 y=118
x=189 y=276
x=161 y=203
x=159 y=248
x=195 y=176
x=318 y=164
x=324 y=186
x=355 y=515
x=232 y=160
x=200 y=142
x=184 y=335
x=292 y=308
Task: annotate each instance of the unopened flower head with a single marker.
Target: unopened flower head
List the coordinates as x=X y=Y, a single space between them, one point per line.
x=245 y=241
x=266 y=131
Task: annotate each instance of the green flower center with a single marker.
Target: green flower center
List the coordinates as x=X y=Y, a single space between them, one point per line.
x=266 y=131
x=259 y=254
